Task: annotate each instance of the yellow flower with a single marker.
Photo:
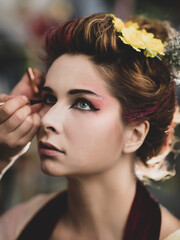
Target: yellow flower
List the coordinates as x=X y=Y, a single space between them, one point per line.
x=132 y=24
x=146 y=36
x=133 y=37
x=118 y=23
x=141 y=39
x=155 y=46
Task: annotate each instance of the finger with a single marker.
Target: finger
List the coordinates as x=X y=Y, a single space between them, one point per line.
x=24 y=133
x=11 y=106
x=3 y=97
x=12 y=139
x=33 y=131
x=32 y=121
x=36 y=108
x=16 y=119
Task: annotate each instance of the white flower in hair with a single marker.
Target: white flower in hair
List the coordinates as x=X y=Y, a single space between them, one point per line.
x=172 y=54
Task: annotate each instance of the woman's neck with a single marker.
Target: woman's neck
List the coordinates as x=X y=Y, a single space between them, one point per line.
x=99 y=205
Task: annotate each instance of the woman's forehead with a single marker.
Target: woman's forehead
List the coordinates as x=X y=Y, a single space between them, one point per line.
x=75 y=71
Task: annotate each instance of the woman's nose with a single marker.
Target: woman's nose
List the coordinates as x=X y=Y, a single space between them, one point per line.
x=47 y=125
x=50 y=129
x=52 y=120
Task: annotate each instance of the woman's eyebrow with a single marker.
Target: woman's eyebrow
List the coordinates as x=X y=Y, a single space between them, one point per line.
x=77 y=91
x=72 y=91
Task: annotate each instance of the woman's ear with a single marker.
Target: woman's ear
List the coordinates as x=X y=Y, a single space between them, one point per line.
x=135 y=135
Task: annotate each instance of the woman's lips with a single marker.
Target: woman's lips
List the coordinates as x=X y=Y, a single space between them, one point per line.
x=48 y=149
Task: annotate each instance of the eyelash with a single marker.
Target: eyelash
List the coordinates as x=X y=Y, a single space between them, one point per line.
x=83 y=100
x=78 y=100
x=46 y=96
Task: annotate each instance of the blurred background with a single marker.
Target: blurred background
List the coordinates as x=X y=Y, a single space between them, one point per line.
x=22 y=28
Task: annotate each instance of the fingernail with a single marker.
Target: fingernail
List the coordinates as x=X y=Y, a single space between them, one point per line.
x=24 y=98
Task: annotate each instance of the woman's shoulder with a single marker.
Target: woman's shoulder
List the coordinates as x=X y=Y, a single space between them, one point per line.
x=174 y=236
x=170 y=225
x=13 y=221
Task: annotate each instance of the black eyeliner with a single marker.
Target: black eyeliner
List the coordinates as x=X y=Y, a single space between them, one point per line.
x=86 y=101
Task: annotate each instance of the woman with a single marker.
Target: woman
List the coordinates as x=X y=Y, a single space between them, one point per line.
x=108 y=102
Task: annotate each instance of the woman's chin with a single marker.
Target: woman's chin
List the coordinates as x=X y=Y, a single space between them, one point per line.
x=50 y=168
x=46 y=171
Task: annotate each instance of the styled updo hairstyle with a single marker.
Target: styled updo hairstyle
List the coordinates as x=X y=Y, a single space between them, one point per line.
x=141 y=84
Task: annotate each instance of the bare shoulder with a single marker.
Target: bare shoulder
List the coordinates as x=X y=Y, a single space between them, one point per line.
x=169 y=223
x=13 y=221
x=174 y=236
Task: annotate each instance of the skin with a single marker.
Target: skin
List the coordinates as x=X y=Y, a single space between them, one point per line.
x=70 y=128
x=97 y=153
x=19 y=122
x=97 y=150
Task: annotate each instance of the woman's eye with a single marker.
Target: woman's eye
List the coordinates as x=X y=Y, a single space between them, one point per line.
x=49 y=99
x=83 y=104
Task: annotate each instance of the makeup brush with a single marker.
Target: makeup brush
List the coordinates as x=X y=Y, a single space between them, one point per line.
x=32 y=80
x=33 y=85
x=31 y=101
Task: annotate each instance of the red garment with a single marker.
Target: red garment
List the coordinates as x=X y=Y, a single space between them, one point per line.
x=143 y=223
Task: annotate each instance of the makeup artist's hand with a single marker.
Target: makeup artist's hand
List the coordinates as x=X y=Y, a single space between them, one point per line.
x=17 y=126
x=24 y=87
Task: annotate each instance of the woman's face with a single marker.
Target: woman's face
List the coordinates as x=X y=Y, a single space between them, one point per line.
x=82 y=131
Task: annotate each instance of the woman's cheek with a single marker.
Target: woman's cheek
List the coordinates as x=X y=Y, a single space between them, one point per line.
x=80 y=126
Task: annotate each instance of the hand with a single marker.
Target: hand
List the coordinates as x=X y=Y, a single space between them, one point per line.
x=17 y=125
x=24 y=87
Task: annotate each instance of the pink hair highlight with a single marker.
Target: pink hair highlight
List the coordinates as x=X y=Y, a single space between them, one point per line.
x=140 y=113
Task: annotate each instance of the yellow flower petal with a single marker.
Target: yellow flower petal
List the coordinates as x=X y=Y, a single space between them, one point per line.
x=132 y=24
x=138 y=39
x=146 y=36
x=156 y=46
x=118 y=24
x=133 y=37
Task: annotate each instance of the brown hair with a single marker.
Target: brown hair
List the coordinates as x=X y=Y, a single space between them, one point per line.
x=136 y=81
